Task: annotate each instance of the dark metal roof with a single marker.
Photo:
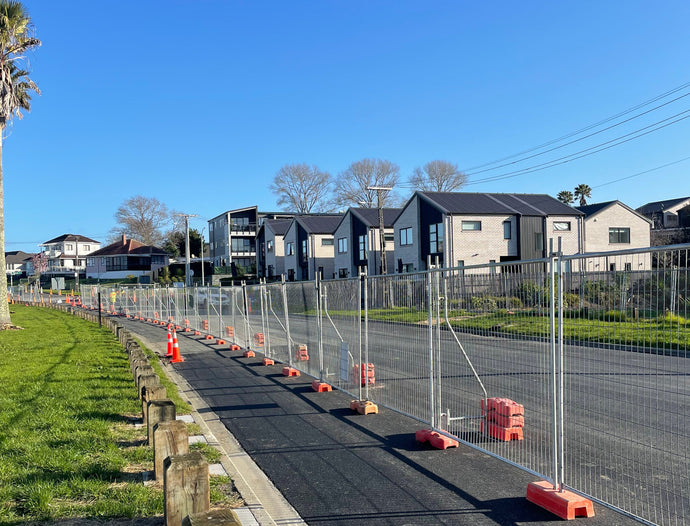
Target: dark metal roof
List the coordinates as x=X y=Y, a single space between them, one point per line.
x=658 y=206
x=278 y=226
x=595 y=208
x=488 y=203
x=370 y=216
x=319 y=223
x=71 y=237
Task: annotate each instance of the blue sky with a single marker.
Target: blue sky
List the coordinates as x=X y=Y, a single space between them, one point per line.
x=199 y=103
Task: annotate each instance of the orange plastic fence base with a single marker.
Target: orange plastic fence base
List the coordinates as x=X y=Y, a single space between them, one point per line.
x=320 y=387
x=506 y=434
x=187 y=329
x=435 y=439
x=197 y=333
x=220 y=342
x=209 y=337
x=289 y=371
x=249 y=354
x=364 y=407
x=268 y=361
x=234 y=347
x=566 y=504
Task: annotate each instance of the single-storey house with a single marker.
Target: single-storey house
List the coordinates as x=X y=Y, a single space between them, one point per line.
x=126 y=257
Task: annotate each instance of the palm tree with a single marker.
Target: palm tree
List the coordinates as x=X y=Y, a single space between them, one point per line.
x=16 y=38
x=566 y=196
x=583 y=192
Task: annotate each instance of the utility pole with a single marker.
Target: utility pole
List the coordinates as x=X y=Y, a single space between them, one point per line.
x=382 y=238
x=187 y=277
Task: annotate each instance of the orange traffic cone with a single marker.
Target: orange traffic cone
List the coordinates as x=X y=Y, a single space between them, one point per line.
x=176 y=350
x=170 y=344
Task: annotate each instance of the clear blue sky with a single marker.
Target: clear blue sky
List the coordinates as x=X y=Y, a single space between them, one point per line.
x=199 y=103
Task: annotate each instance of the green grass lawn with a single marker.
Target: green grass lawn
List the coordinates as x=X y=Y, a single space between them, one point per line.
x=66 y=447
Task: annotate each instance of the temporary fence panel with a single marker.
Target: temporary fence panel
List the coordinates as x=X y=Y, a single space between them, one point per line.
x=304 y=326
x=341 y=306
x=626 y=381
x=277 y=337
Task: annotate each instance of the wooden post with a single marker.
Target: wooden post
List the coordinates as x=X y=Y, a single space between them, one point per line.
x=148 y=393
x=158 y=411
x=169 y=438
x=213 y=518
x=147 y=379
x=185 y=487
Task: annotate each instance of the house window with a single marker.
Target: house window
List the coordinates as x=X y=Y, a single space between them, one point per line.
x=269 y=245
x=507 y=230
x=561 y=226
x=538 y=241
x=389 y=237
x=461 y=266
x=471 y=225
x=408 y=267
x=69 y=247
x=87 y=248
x=612 y=267
x=406 y=236
x=362 y=247
x=342 y=272
x=628 y=267
x=327 y=242
x=158 y=260
x=90 y=262
x=305 y=249
x=436 y=238
x=289 y=248
x=291 y=274
x=619 y=235
x=342 y=245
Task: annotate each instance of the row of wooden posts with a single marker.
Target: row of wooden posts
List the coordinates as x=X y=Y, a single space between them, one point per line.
x=185 y=474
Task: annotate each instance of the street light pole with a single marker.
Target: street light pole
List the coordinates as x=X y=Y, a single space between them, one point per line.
x=382 y=237
x=202 y=256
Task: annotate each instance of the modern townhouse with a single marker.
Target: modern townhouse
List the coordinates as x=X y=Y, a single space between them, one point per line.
x=125 y=258
x=232 y=238
x=271 y=255
x=615 y=226
x=458 y=229
x=309 y=247
x=671 y=213
x=66 y=255
x=357 y=242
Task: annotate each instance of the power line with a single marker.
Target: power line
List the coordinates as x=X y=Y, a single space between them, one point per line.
x=617 y=141
x=643 y=173
x=582 y=130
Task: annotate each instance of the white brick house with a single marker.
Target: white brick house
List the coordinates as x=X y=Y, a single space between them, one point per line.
x=462 y=229
x=615 y=226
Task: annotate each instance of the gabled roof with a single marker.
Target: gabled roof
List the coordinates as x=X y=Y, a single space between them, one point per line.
x=659 y=206
x=17 y=257
x=279 y=227
x=370 y=216
x=595 y=208
x=128 y=247
x=488 y=203
x=71 y=237
x=319 y=223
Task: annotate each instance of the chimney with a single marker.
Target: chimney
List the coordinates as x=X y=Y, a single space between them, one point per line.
x=124 y=239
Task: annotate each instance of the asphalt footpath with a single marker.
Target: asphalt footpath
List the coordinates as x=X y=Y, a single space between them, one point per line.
x=337 y=467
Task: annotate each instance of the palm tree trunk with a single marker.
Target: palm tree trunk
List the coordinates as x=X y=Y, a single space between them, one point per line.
x=5 y=320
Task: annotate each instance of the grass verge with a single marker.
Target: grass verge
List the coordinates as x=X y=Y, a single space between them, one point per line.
x=67 y=449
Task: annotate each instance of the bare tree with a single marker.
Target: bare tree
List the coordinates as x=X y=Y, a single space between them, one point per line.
x=142 y=218
x=353 y=184
x=302 y=188
x=438 y=176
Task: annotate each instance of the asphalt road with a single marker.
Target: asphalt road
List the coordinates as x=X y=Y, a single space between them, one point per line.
x=338 y=467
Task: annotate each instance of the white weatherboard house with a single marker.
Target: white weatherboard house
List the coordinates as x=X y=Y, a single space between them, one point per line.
x=309 y=246
x=357 y=242
x=67 y=254
x=613 y=226
x=461 y=229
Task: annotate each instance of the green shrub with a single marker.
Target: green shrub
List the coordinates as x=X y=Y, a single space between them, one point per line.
x=673 y=319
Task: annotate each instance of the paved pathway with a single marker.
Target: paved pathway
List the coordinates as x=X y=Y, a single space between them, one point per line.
x=336 y=467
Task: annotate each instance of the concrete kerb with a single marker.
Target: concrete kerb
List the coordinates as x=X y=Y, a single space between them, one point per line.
x=267 y=504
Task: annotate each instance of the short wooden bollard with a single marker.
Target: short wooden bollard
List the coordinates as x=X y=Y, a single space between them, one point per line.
x=139 y=369
x=158 y=411
x=146 y=380
x=169 y=438
x=213 y=518
x=148 y=393
x=185 y=487
x=138 y=362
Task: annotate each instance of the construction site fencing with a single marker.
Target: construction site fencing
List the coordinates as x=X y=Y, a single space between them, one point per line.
x=592 y=349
